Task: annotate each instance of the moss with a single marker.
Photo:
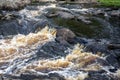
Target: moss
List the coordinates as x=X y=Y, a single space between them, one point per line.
x=80 y=28
x=110 y=3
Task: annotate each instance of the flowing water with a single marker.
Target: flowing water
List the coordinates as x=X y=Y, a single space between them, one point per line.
x=24 y=53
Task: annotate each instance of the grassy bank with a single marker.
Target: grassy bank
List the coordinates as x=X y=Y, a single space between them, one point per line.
x=115 y=3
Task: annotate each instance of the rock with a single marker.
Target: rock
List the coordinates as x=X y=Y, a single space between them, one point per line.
x=51 y=15
x=54 y=49
x=32 y=8
x=115 y=13
x=113 y=46
x=80 y=40
x=84 y=19
x=65 y=15
x=112 y=60
x=99 y=12
x=60 y=13
x=65 y=34
x=102 y=62
x=116 y=53
x=113 y=70
x=50 y=76
x=96 y=47
x=9 y=28
x=37 y=26
x=96 y=75
x=15 y=25
x=12 y=5
x=33 y=76
x=9 y=16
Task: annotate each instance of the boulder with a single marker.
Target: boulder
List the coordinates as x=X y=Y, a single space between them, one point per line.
x=65 y=34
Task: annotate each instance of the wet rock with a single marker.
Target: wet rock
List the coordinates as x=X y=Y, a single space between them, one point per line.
x=55 y=49
x=80 y=40
x=113 y=70
x=9 y=16
x=34 y=76
x=116 y=53
x=37 y=26
x=51 y=15
x=102 y=62
x=112 y=60
x=115 y=13
x=84 y=19
x=12 y=5
x=113 y=46
x=56 y=76
x=65 y=15
x=96 y=47
x=60 y=13
x=32 y=8
x=22 y=26
x=50 y=76
x=9 y=28
x=96 y=75
x=99 y=12
x=65 y=34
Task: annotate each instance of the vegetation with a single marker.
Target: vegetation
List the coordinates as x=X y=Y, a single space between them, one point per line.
x=115 y=3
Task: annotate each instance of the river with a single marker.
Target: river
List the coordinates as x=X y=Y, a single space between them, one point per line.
x=52 y=41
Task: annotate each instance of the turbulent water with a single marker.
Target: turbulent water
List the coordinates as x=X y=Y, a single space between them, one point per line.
x=18 y=55
x=37 y=53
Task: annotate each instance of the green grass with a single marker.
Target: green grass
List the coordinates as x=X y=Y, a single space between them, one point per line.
x=115 y=3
